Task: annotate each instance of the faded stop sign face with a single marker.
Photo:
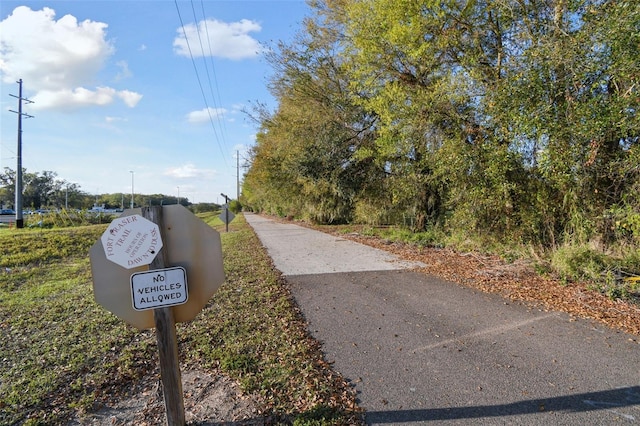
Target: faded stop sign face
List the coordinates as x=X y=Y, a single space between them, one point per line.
x=189 y=243
x=131 y=241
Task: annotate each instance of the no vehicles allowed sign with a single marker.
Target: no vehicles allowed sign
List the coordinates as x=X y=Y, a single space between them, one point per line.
x=186 y=241
x=159 y=288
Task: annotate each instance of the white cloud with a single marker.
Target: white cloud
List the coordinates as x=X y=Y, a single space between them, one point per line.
x=70 y=99
x=241 y=148
x=219 y=39
x=57 y=59
x=51 y=54
x=204 y=115
x=189 y=170
x=131 y=99
x=110 y=119
x=125 y=72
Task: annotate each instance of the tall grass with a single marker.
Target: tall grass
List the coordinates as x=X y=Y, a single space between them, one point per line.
x=62 y=354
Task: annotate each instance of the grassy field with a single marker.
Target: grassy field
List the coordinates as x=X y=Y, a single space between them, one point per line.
x=61 y=353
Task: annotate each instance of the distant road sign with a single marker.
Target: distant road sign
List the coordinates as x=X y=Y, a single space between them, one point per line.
x=131 y=241
x=226 y=216
x=159 y=288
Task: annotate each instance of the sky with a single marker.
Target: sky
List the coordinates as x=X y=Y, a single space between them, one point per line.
x=149 y=94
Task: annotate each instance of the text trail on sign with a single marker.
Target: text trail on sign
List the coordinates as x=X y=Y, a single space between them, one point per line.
x=131 y=241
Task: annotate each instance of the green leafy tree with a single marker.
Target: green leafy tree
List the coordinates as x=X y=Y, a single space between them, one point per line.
x=424 y=68
x=304 y=163
x=514 y=119
x=40 y=190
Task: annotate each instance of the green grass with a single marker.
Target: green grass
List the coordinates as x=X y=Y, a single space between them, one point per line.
x=61 y=353
x=605 y=273
x=59 y=349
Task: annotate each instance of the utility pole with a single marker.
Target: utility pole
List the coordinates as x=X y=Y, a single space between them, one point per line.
x=131 y=171
x=237 y=175
x=18 y=206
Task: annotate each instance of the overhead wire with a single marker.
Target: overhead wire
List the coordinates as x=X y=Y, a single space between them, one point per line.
x=213 y=70
x=220 y=116
x=195 y=67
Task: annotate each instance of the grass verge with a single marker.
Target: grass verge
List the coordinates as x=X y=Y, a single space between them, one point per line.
x=62 y=353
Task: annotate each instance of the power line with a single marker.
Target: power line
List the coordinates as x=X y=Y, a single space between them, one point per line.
x=204 y=97
x=217 y=104
x=213 y=69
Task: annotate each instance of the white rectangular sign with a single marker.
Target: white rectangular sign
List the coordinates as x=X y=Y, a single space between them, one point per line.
x=159 y=288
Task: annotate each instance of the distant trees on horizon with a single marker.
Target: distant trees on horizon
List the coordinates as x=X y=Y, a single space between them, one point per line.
x=46 y=190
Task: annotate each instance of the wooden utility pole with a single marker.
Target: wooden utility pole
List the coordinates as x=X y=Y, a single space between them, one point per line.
x=18 y=203
x=166 y=337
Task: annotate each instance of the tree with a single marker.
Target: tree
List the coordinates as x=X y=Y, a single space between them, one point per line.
x=568 y=109
x=39 y=189
x=304 y=163
x=425 y=68
x=512 y=118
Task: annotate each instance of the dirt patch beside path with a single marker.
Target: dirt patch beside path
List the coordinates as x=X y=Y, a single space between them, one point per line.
x=210 y=399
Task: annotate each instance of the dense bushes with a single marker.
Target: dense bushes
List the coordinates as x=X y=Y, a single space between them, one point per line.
x=516 y=121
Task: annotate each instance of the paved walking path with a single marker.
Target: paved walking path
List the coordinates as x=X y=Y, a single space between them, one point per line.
x=420 y=350
x=295 y=252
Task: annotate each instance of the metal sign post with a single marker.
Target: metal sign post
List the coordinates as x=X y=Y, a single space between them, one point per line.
x=226 y=216
x=226 y=212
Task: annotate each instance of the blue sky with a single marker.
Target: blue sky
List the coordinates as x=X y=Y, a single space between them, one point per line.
x=115 y=90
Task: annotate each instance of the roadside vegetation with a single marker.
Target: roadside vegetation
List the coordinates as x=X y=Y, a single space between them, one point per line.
x=511 y=127
x=62 y=218
x=615 y=274
x=61 y=353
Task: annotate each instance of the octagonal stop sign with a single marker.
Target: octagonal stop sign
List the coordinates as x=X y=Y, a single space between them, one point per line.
x=190 y=243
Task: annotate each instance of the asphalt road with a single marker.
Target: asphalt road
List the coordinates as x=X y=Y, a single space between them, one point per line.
x=421 y=350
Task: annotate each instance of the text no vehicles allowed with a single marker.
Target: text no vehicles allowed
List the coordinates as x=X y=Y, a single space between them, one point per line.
x=159 y=288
